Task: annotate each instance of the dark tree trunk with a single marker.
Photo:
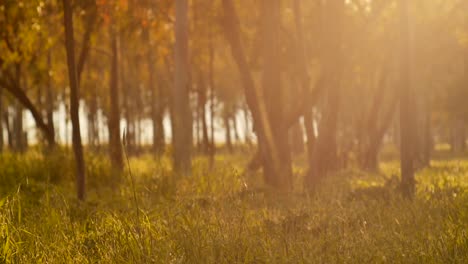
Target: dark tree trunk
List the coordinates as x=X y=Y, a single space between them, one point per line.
x=247 y=131
x=50 y=101
x=93 y=129
x=19 y=140
x=6 y=118
x=14 y=88
x=234 y=128
x=406 y=103
x=372 y=133
x=74 y=99
x=1 y=120
x=156 y=108
x=310 y=133
x=276 y=168
x=227 y=127
x=324 y=157
x=205 y=144
x=115 y=146
x=276 y=155
x=182 y=116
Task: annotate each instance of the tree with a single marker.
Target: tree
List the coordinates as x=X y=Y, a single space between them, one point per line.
x=276 y=154
x=74 y=100
x=115 y=146
x=406 y=103
x=324 y=157
x=181 y=114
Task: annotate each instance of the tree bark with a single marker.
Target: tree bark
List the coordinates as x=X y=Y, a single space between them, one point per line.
x=324 y=158
x=205 y=144
x=1 y=120
x=276 y=156
x=212 y=96
x=115 y=146
x=74 y=99
x=156 y=109
x=227 y=127
x=50 y=101
x=310 y=132
x=406 y=102
x=182 y=117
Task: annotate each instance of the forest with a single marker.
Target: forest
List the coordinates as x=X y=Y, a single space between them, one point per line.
x=233 y=131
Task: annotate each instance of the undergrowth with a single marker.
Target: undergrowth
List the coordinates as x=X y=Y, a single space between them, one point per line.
x=221 y=215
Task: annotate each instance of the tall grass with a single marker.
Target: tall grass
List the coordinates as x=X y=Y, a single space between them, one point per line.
x=220 y=215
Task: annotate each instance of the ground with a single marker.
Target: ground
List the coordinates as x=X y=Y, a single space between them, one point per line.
x=222 y=215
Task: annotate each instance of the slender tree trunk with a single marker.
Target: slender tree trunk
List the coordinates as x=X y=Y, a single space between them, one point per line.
x=196 y=126
x=212 y=96
x=1 y=120
x=18 y=129
x=74 y=99
x=156 y=110
x=235 y=128
x=50 y=101
x=310 y=132
x=6 y=117
x=427 y=134
x=115 y=146
x=205 y=144
x=18 y=119
x=406 y=102
x=92 y=121
x=227 y=127
x=182 y=123
x=247 y=130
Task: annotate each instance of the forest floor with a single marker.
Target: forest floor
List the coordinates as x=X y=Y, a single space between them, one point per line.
x=221 y=215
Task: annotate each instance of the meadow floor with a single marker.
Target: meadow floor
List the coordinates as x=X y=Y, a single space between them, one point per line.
x=221 y=215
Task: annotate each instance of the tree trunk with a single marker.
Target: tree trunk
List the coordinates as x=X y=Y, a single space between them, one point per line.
x=234 y=128
x=156 y=109
x=227 y=127
x=1 y=120
x=18 y=129
x=182 y=117
x=6 y=117
x=247 y=131
x=296 y=138
x=115 y=146
x=276 y=156
x=205 y=144
x=14 y=88
x=93 y=130
x=50 y=100
x=212 y=96
x=310 y=132
x=406 y=102
x=276 y=169
x=325 y=159
x=74 y=99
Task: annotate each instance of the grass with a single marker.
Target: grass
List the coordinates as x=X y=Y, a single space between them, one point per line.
x=220 y=215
